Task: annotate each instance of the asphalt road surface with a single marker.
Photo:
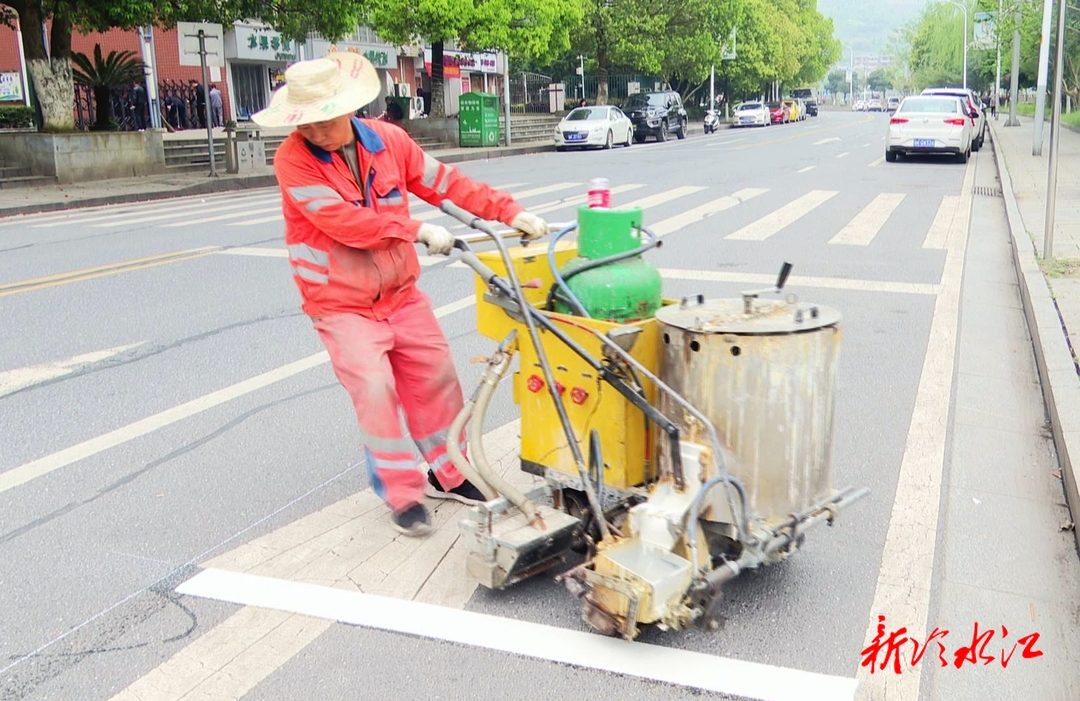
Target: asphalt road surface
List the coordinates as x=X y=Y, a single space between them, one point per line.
x=167 y=412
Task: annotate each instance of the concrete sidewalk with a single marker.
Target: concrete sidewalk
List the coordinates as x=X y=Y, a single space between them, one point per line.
x=1049 y=288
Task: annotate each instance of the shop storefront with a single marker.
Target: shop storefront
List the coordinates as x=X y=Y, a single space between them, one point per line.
x=256 y=58
x=382 y=56
x=466 y=72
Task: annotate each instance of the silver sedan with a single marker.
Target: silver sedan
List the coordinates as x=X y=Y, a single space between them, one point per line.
x=932 y=125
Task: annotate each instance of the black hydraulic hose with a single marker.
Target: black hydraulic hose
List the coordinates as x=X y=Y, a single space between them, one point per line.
x=695 y=511
x=562 y=280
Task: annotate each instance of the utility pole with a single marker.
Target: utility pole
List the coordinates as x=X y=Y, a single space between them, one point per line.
x=581 y=72
x=997 y=72
x=963 y=7
x=1055 y=137
x=206 y=90
x=712 y=88
x=1014 y=78
x=1044 y=67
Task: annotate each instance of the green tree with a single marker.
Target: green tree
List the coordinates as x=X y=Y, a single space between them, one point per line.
x=524 y=29
x=879 y=81
x=51 y=71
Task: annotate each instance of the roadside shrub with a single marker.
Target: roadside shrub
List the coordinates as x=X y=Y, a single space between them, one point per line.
x=16 y=118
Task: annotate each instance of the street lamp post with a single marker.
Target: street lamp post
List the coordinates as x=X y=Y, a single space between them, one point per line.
x=997 y=71
x=1055 y=129
x=965 y=10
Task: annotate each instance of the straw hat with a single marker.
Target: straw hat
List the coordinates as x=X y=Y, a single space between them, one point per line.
x=321 y=89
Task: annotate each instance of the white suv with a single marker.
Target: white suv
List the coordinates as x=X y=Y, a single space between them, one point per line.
x=978 y=121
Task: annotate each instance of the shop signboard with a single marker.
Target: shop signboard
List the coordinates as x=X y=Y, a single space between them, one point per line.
x=11 y=87
x=261 y=44
x=454 y=62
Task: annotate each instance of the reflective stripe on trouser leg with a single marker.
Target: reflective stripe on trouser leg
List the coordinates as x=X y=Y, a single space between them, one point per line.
x=359 y=350
x=435 y=453
x=427 y=383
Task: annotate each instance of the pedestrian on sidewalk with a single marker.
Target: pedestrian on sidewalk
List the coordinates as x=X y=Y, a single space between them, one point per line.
x=216 y=106
x=345 y=185
x=198 y=119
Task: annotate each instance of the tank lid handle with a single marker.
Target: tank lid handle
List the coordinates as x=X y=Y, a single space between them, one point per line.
x=751 y=295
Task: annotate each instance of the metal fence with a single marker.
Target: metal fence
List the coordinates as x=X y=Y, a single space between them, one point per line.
x=179 y=106
x=619 y=86
x=530 y=93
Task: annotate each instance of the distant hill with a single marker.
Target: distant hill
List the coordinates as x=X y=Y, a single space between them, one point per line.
x=867 y=24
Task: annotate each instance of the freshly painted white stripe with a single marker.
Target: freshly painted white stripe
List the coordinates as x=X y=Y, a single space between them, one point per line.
x=256 y=222
x=692 y=216
x=168 y=208
x=662 y=197
x=829 y=140
x=222 y=217
x=173 y=213
x=68 y=456
x=21 y=378
x=876 y=162
x=907 y=560
x=781 y=218
x=835 y=283
x=844 y=154
x=255 y=251
x=639 y=660
x=862 y=229
x=807 y=169
x=938 y=233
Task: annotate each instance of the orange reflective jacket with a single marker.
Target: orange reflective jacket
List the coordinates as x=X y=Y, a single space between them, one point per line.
x=352 y=251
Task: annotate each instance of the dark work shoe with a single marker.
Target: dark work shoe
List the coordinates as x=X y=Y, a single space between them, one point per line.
x=413 y=521
x=466 y=492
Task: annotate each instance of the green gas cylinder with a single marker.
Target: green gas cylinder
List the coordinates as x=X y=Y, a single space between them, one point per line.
x=622 y=291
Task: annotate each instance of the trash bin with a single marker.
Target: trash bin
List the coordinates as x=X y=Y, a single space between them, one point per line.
x=251 y=153
x=478 y=119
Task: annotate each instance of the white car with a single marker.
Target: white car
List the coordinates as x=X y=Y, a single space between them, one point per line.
x=858 y=106
x=750 y=114
x=930 y=124
x=602 y=126
x=973 y=104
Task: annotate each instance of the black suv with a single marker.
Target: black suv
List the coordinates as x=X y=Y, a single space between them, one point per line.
x=808 y=98
x=656 y=114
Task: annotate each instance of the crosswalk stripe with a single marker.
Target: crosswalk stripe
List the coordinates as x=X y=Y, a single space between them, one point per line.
x=876 y=162
x=691 y=216
x=781 y=218
x=662 y=197
x=543 y=190
x=170 y=209
x=172 y=214
x=862 y=229
x=255 y=222
x=834 y=283
x=567 y=202
x=807 y=169
x=70 y=215
x=938 y=233
x=842 y=155
x=221 y=217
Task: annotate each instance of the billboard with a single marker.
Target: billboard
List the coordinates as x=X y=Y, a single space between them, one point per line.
x=11 y=86
x=984 y=31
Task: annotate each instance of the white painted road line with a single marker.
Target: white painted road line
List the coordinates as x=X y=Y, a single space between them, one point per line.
x=21 y=378
x=584 y=650
x=169 y=209
x=222 y=217
x=844 y=154
x=938 y=233
x=172 y=214
x=907 y=561
x=68 y=456
x=692 y=216
x=861 y=230
x=830 y=140
x=567 y=202
x=255 y=251
x=782 y=218
x=807 y=169
x=661 y=198
x=834 y=283
x=876 y=162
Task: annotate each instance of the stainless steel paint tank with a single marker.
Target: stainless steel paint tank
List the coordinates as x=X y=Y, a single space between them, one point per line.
x=764 y=372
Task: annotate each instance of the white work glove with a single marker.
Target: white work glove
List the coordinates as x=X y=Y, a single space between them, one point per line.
x=438 y=240
x=531 y=226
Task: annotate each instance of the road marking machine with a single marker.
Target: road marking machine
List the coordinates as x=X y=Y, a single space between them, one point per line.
x=680 y=441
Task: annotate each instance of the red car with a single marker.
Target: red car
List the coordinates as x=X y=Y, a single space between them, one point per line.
x=780 y=112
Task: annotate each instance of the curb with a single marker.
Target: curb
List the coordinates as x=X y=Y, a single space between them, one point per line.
x=1057 y=370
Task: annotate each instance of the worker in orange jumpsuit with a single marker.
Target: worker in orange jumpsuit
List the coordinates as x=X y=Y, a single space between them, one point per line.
x=345 y=185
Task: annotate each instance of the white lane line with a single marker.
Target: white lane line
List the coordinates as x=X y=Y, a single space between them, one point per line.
x=867 y=145
x=566 y=202
x=862 y=229
x=691 y=216
x=169 y=209
x=904 y=581
x=256 y=222
x=639 y=660
x=255 y=251
x=222 y=217
x=21 y=378
x=834 y=283
x=543 y=190
x=81 y=213
x=830 y=140
x=172 y=214
x=844 y=154
x=938 y=233
x=876 y=162
x=662 y=197
x=807 y=169
x=781 y=218
x=68 y=456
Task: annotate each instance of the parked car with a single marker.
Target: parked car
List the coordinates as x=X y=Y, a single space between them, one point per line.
x=875 y=105
x=974 y=106
x=930 y=124
x=809 y=98
x=858 y=106
x=796 y=111
x=594 y=127
x=779 y=112
x=892 y=103
x=751 y=114
x=656 y=114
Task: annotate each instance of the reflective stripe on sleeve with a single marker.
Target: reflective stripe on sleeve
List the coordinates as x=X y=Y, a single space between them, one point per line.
x=304 y=252
x=311 y=275
x=431 y=172
x=315 y=196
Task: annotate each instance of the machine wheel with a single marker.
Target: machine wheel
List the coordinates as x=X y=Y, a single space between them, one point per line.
x=607 y=144
x=662 y=135
x=682 y=132
x=890 y=156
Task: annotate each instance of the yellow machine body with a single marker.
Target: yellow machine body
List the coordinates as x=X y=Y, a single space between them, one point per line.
x=627 y=440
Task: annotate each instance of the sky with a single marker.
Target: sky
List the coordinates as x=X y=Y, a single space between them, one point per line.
x=867 y=24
